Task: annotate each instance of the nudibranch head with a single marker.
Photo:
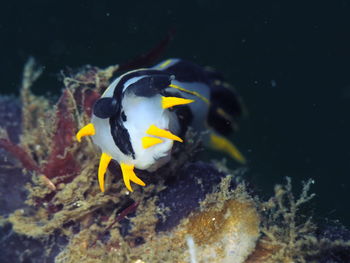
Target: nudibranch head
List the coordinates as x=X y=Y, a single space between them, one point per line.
x=133 y=124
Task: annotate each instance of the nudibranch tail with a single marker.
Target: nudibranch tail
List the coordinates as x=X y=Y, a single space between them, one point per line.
x=222 y=144
x=104 y=161
x=155 y=131
x=87 y=130
x=150 y=141
x=168 y=102
x=129 y=175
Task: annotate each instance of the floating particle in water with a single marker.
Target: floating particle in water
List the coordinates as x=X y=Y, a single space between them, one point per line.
x=273 y=83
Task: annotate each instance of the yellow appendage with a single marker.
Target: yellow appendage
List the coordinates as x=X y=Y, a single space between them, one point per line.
x=87 y=130
x=165 y=63
x=129 y=175
x=222 y=144
x=150 y=141
x=104 y=161
x=155 y=131
x=168 y=102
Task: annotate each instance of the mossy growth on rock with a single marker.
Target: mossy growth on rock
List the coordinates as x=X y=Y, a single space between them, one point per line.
x=190 y=211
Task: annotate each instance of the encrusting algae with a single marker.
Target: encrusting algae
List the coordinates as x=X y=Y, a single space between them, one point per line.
x=227 y=226
x=225 y=222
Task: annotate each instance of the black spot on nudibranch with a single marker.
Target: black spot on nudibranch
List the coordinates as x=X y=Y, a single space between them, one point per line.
x=123 y=116
x=105 y=108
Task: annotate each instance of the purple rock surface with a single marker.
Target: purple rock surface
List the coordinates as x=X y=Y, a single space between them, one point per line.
x=12 y=179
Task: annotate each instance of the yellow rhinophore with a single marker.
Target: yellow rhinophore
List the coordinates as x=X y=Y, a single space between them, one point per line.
x=168 y=102
x=150 y=141
x=87 y=130
x=222 y=144
x=129 y=175
x=104 y=161
x=155 y=131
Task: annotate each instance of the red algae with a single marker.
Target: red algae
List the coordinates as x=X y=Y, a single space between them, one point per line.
x=61 y=161
x=22 y=155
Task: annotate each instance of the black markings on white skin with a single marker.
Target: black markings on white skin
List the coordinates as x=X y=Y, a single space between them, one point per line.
x=124 y=116
x=121 y=136
x=150 y=85
x=105 y=108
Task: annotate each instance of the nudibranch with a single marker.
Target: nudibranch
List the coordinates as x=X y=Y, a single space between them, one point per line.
x=144 y=112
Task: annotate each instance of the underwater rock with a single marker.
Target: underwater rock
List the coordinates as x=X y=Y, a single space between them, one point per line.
x=190 y=211
x=10 y=116
x=222 y=221
x=11 y=173
x=20 y=248
x=221 y=234
x=329 y=244
x=228 y=234
x=184 y=193
x=334 y=242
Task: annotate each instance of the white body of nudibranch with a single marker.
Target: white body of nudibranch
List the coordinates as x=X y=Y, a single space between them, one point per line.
x=142 y=112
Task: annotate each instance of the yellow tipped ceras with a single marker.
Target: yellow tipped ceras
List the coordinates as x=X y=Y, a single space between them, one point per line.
x=168 y=102
x=127 y=171
x=150 y=141
x=104 y=161
x=87 y=130
x=155 y=131
x=221 y=143
x=129 y=175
